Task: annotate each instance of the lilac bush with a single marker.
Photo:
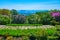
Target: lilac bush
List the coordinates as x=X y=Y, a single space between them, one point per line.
x=55 y=14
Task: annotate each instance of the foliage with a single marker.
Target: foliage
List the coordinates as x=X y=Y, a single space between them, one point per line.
x=33 y=19
x=5 y=12
x=14 y=12
x=4 y=19
x=26 y=32
x=52 y=37
x=18 y=19
x=55 y=10
x=55 y=14
x=45 y=17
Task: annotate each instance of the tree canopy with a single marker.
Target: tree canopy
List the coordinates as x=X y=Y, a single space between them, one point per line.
x=14 y=17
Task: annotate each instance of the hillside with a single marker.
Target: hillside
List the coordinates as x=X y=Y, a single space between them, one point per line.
x=29 y=12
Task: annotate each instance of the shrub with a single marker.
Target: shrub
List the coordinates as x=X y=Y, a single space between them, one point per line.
x=4 y=19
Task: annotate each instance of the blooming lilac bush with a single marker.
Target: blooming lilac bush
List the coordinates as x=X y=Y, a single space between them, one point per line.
x=55 y=14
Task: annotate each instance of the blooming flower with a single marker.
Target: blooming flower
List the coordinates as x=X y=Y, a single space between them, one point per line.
x=55 y=14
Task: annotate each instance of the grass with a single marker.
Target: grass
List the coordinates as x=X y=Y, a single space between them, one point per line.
x=24 y=25
x=19 y=32
x=52 y=37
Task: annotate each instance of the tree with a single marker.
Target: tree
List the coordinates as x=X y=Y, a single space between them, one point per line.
x=14 y=12
x=55 y=10
x=45 y=17
x=5 y=12
x=0 y=11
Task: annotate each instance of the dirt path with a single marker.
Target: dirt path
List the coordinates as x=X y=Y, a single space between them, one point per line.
x=25 y=27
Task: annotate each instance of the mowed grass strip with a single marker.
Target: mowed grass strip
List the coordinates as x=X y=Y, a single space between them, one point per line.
x=23 y=24
x=19 y=32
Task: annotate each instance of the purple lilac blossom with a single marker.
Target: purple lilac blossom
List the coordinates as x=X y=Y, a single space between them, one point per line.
x=54 y=14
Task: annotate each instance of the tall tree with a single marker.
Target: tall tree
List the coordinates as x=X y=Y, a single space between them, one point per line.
x=14 y=12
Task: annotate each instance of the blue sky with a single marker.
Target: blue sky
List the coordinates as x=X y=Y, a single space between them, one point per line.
x=30 y=4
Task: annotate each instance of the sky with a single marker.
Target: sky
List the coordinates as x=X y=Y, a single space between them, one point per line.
x=30 y=4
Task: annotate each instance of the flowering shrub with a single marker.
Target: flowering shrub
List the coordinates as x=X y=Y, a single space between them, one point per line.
x=55 y=14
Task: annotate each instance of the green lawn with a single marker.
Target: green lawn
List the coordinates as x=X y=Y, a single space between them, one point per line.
x=24 y=25
x=19 y=32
